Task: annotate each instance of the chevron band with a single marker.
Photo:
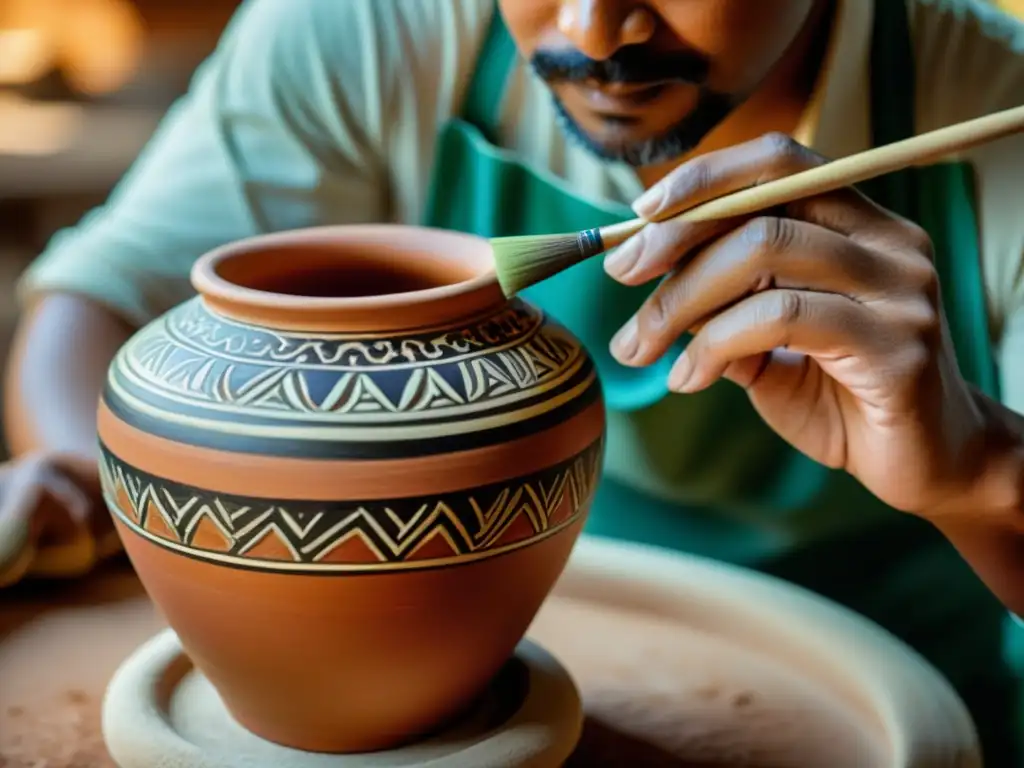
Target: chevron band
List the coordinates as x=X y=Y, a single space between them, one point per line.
x=330 y=537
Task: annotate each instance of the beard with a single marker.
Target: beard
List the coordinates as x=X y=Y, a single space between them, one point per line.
x=678 y=140
x=637 y=66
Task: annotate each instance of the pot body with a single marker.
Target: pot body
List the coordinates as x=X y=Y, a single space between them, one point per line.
x=349 y=530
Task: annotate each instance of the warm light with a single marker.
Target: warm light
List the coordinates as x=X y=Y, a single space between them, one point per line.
x=1013 y=6
x=25 y=55
x=97 y=43
x=31 y=128
x=101 y=44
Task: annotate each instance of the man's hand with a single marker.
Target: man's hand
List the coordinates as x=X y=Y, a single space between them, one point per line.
x=827 y=312
x=50 y=524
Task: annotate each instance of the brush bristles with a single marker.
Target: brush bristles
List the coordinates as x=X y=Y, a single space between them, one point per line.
x=520 y=262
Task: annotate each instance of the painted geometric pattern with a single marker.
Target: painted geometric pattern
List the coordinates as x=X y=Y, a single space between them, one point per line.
x=323 y=536
x=201 y=329
x=217 y=363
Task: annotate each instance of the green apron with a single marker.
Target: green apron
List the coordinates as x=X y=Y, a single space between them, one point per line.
x=703 y=473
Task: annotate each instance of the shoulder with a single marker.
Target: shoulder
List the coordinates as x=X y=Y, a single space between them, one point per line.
x=379 y=39
x=408 y=22
x=364 y=62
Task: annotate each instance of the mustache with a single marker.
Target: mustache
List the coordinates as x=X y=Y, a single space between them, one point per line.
x=632 y=64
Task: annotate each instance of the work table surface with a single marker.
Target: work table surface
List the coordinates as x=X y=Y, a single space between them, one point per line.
x=656 y=693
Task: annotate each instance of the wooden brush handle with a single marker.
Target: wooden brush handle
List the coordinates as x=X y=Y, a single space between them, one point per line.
x=837 y=174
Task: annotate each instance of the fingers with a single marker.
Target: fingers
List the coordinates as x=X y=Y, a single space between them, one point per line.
x=765 y=253
x=714 y=174
x=659 y=246
x=824 y=326
x=40 y=508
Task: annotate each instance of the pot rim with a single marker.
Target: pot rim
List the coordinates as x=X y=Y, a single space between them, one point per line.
x=469 y=257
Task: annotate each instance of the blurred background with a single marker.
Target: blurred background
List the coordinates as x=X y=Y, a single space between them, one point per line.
x=83 y=84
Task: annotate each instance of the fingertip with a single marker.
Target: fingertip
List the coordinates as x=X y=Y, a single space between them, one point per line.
x=625 y=345
x=620 y=263
x=650 y=203
x=681 y=375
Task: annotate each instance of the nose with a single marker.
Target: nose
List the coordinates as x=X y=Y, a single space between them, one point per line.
x=598 y=28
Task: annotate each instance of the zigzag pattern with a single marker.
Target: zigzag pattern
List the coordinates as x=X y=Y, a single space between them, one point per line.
x=165 y=364
x=374 y=535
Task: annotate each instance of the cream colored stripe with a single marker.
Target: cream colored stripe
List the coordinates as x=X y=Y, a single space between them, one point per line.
x=534 y=313
x=381 y=433
x=213 y=351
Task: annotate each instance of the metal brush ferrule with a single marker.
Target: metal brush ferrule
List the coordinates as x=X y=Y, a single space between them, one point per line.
x=589 y=243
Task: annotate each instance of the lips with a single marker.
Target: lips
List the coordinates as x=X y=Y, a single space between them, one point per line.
x=619 y=97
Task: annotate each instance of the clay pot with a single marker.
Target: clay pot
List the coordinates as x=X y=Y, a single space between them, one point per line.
x=349 y=472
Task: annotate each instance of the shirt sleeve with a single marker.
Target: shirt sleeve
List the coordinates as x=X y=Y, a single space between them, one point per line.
x=279 y=129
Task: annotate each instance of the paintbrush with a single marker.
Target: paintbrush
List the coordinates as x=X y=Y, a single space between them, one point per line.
x=525 y=260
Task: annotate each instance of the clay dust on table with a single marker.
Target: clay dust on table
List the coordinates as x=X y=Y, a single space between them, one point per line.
x=62 y=732
x=58 y=650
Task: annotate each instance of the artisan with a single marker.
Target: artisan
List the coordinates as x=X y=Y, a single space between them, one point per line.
x=847 y=416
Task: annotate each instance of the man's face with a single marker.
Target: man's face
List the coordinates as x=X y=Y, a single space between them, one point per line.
x=644 y=82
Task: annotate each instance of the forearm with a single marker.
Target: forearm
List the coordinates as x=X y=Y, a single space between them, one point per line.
x=988 y=528
x=54 y=378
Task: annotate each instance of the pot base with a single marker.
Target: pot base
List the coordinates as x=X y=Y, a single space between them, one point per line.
x=160 y=709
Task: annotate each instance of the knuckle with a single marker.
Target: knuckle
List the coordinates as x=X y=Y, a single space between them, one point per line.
x=918 y=240
x=660 y=313
x=925 y=279
x=766 y=234
x=693 y=179
x=788 y=154
x=915 y=360
x=786 y=308
x=917 y=331
x=918 y=274
x=925 y=319
x=782 y=145
x=653 y=314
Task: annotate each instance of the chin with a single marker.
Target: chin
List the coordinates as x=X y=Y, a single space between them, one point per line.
x=621 y=140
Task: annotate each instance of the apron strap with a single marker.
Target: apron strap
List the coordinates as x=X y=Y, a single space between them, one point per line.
x=893 y=96
x=947 y=213
x=481 y=106
x=939 y=197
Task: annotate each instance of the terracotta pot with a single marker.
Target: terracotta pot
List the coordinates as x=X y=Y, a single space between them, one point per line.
x=349 y=472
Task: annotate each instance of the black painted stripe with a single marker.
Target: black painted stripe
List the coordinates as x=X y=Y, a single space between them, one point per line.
x=383 y=523
x=329 y=449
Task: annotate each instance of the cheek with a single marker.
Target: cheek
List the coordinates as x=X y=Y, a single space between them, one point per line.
x=742 y=38
x=532 y=23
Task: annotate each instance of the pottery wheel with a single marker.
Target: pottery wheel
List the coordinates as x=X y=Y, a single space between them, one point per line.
x=160 y=709
x=680 y=662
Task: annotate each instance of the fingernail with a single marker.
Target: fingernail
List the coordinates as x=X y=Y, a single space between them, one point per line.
x=681 y=373
x=621 y=261
x=650 y=202
x=626 y=342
